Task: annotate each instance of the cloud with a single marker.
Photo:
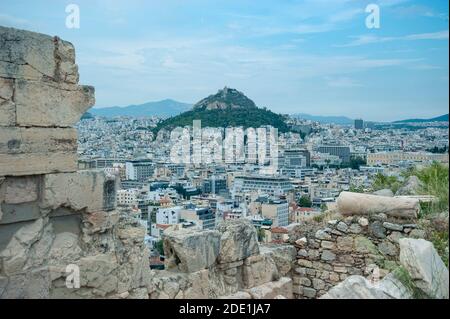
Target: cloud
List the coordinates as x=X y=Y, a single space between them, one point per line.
x=11 y=21
x=342 y=82
x=370 y=39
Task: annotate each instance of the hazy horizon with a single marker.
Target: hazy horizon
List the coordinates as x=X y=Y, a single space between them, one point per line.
x=310 y=56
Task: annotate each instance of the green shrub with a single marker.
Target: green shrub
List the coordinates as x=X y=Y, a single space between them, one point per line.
x=434 y=180
x=382 y=181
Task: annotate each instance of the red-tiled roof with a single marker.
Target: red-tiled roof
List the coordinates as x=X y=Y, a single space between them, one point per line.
x=162 y=226
x=279 y=230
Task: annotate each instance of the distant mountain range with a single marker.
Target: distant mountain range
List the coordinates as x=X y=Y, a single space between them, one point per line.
x=442 y=118
x=224 y=99
x=342 y=120
x=164 y=108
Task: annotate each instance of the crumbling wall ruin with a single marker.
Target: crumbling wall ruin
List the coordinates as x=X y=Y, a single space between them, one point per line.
x=51 y=215
x=224 y=263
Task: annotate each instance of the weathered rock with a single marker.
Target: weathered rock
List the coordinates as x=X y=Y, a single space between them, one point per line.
x=341 y=226
x=345 y=243
x=412 y=186
x=323 y=235
x=89 y=190
x=238 y=295
x=258 y=270
x=282 y=255
x=363 y=221
x=34 y=150
x=328 y=255
x=270 y=290
x=355 y=228
x=364 y=245
x=425 y=266
x=417 y=234
x=238 y=240
x=190 y=250
x=16 y=190
x=388 y=249
x=34 y=56
x=357 y=287
x=394 y=227
x=47 y=104
x=377 y=230
x=365 y=204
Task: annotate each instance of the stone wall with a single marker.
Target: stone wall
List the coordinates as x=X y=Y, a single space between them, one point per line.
x=52 y=215
x=346 y=246
x=224 y=263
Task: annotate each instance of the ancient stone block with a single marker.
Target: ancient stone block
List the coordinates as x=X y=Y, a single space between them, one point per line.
x=31 y=151
x=259 y=272
x=83 y=190
x=328 y=255
x=46 y=104
x=35 y=56
x=345 y=243
x=7 y=106
x=37 y=163
x=16 y=190
x=190 y=250
x=238 y=241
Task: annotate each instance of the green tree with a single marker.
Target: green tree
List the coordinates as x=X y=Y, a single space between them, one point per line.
x=304 y=201
x=355 y=163
x=160 y=247
x=261 y=234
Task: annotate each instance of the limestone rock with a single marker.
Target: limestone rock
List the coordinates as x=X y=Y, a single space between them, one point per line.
x=238 y=240
x=34 y=56
x=45 y=104
x=272 y=289
x=357 y=287
x=19 y=190
x=190 y=250
x=258 y=270
x=425 y=266
x=412 y=186
x=282 y=255
x=89 y=190
x=33 y=150
x=394 y=227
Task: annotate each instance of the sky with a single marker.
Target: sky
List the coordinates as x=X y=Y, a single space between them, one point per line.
x=307 y=56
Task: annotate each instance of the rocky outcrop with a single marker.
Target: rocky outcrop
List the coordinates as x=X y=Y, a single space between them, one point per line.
x=358 y=287
x=412 y=186
x=189 y=251
x=223 y=263
x=238 y=241
x=425 y=267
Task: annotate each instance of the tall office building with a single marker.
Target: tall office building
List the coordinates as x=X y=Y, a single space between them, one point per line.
x=343 y=152
x=359 y=124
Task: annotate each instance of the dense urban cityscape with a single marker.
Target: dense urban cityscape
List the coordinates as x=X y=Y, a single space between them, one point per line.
x=316 y=163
